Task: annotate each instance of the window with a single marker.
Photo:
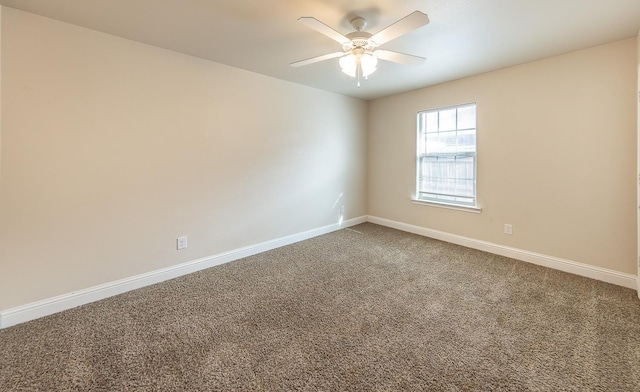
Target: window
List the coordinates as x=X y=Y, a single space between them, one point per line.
x=446 y=157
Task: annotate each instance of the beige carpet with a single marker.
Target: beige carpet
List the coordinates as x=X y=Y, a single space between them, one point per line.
x=367 y=308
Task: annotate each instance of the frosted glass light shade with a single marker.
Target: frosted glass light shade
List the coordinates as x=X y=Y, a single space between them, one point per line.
x=366 y=61
x=349 y=64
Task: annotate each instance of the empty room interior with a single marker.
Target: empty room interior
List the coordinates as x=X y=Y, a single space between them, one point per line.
x=319 y=195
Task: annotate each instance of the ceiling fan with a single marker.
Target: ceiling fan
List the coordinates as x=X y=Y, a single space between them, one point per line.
x=359 y=56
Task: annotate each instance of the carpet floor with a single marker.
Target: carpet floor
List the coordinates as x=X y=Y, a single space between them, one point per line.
x=366 y=308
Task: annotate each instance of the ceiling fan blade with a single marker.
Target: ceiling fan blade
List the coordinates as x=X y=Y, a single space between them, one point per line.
x=324 y=29
x=408 y=23
x=317 y=59
x=397 y=57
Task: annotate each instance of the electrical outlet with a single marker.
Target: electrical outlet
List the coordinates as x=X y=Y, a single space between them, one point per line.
x=508 y=229
x=182 y=242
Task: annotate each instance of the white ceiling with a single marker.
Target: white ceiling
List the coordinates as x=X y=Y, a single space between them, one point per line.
x=465 y=37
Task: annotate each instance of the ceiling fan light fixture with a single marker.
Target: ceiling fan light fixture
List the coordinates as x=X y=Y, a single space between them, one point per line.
x=364 y=62
x=349 y=64
x=368 y=62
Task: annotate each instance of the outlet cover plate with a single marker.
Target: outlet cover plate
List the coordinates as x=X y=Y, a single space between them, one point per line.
x=182 y=242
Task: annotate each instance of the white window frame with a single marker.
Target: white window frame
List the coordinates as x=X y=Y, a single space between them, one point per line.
x=470 y=206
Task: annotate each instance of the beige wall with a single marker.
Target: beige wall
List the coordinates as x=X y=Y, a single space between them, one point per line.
x=111 y=149
x=556 y=156
x=0 y=101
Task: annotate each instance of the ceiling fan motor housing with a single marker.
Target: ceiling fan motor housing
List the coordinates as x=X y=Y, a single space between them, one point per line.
x=359 y=39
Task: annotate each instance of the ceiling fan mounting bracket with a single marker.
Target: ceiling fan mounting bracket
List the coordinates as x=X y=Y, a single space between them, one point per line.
x=358 y=23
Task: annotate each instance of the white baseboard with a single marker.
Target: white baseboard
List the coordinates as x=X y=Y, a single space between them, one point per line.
x=52 y=305
x=573 y=267
x=49 y=306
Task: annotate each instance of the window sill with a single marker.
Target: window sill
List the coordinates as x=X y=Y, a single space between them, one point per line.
x=472 y=209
